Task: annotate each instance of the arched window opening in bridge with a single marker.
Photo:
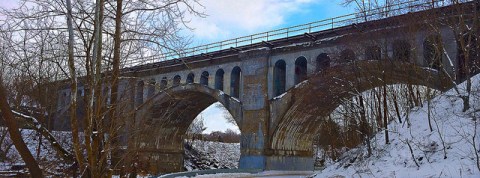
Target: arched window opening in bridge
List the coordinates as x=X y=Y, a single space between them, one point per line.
x=106 y=94
x=433 y=51
x=468 y=55
x=300 y=70
x=347 y=55
x=323 y=61
x=219 y=79
x=139 y=93
x=176 y=80
x=235 y=81
x=279 y=77
x=204 y=78
x=190 y=78
x=163 y=83
x=212 y=128
x=373 y=53
x=151 y=88
x=401 y=50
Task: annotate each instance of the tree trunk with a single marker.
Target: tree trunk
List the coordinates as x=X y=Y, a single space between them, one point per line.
x=385 y=114
x=114 y=81
x=73 y=102
x=15 y=135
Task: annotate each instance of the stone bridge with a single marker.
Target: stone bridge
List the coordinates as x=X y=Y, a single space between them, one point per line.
x=279 y=91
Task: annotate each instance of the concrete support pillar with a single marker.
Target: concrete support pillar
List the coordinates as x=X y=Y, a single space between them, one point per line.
x=160 y=151
x=255 y=109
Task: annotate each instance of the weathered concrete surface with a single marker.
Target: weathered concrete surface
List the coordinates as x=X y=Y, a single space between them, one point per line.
x=162 y=121
x=277 y=132
x=295 y=131
x=255 y=109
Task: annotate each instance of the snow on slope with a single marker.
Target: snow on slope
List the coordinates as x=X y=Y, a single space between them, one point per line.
x=449 y=123
x=215 y=155
x=45 y=155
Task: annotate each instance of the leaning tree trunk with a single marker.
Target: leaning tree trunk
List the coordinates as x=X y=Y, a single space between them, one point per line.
x=15 y=135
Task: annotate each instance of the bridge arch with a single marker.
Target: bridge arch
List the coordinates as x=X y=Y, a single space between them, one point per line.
x=139 y=92
x=204 y=78
x=294 y=132
x=468 y=55
x=279 y=77
x=219 y=79
x=322 y=62
x=373 y=52
x=163 y=120
x=433 y=51
x=163 y=83
x=347 y=55
x=177 y=80
x=402 y=50
x=300 y=69
x=235 y=82
x=190 y=78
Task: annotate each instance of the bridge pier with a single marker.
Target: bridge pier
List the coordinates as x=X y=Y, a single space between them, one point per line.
x=161 y=161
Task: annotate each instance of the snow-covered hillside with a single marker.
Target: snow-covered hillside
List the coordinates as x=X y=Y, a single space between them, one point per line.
x=11 y=163
x=450 y=150
x=211 y=155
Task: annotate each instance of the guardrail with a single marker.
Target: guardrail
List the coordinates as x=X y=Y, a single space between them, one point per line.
x=209 y=171
x=327 y=24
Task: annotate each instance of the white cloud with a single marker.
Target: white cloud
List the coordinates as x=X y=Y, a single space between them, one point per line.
x=232 y=18
x=8 y=4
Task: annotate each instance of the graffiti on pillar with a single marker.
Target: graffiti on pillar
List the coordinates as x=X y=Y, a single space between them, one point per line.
x=253 y=96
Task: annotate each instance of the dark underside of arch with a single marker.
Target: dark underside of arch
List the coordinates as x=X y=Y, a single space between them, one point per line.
x=325 y=90
x=164 y=119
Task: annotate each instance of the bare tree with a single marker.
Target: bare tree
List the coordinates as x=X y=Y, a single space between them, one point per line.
x=15 y=135
x=90 y=33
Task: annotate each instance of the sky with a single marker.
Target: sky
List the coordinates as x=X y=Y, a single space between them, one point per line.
x=227 y=19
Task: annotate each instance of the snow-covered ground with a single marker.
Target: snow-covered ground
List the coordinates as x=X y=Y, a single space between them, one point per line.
x=47 y=158
x=214 y=155
x=447 y=151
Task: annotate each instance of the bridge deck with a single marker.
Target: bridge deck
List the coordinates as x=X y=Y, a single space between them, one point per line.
x=301 y=33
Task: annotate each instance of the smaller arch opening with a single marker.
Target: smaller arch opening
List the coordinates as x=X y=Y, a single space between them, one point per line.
x=163 y=83
x=300 y=69
x=190 y=78
x=323 y=61
x=401 y=50
x=212 y=128
x=176 y=80
x=373 y=53
x=433 y=51
x=279 y=77
x=235 y=82
x=139 y=92
x=204 y=78
x=151 y=88
x=219 y=79
x=468 y=55
x=347 y=55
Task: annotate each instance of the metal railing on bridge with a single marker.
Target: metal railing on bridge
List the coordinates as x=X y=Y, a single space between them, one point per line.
x=322 y=25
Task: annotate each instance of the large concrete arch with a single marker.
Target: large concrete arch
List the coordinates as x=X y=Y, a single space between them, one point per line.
x=295 y=125
x=162 y=121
